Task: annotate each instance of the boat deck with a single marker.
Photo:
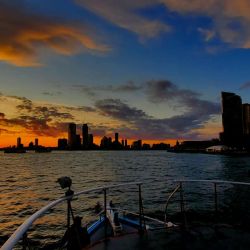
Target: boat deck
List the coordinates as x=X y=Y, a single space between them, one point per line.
x=199 y=237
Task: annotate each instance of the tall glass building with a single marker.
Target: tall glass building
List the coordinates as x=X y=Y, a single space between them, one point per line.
x=232 y=120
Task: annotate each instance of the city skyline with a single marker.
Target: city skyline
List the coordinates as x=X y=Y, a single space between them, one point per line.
x=156 y=72
x=85 y=142
x=235 y=134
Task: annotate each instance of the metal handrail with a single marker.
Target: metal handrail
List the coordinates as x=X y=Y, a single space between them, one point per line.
x=168 y=200
x=136 y=214
x=23 y=228
x=215 y=181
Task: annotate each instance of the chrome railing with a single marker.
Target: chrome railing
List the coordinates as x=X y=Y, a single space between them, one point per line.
x=215 y=184
x=23 y=228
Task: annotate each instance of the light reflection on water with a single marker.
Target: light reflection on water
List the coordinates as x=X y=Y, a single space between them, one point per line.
x=28 y=181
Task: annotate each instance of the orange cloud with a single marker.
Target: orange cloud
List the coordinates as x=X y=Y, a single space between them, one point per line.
x=22 y=35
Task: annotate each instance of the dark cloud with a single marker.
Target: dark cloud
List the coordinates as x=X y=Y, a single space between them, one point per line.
x=88 y=90
x=50 y=113
x=97 y=130
x=92 y=91
x=127 y=87
x=166 y=91
x=245 y=86
x=85 y=109
x=160 y=91
x=26 y=105
x=138 y=124
x=41 y=120
x=40 y=111
x=38 y=126
x=117 y=109
x=57 y=93
x=80 y=108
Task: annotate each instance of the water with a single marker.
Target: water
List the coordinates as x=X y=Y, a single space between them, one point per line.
x=28 y=182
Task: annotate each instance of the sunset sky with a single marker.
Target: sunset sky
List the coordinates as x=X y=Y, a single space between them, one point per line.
x=148 y=69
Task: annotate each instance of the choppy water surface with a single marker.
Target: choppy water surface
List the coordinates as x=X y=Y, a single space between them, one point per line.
x=28 y=182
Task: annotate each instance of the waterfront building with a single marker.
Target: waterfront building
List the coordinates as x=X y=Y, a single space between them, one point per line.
x=246 y=118
x=116 y=145
x=36 y=143
x=246 y=124
x=197 y=145
x=161 y=146
x=232 y=120
x=90 y=140
x=77 y=142
x=106 y=143
x=19 y=142
x=137 y=145
x=31 y=145
x=146 y=146
x=72 y=135
x=85 y=135
x=62 y=143
x=116 y=137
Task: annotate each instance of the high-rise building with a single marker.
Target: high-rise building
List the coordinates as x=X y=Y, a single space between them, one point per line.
x=105 y=143
x=72 y=135
x=137 y=145
x=232 y=119
x=116 y=137
x=62 y=143
x=77 y=142
x=91 y=140
x=19 y=142
x=85 y=135
x=36 y=142
x=246 y=119
x=246 y=125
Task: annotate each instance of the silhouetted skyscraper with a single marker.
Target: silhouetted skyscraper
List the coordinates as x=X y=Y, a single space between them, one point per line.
x=62 y=143
x=78 y=142
x=72 y=135
x=116 y=137
x=106 y=143
x=85 y=135
x=232 y=119
x=246 y=118
x=18 y=142
x=36 y=142
x=246 y=124
x=137 y=145
x=91 y=140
